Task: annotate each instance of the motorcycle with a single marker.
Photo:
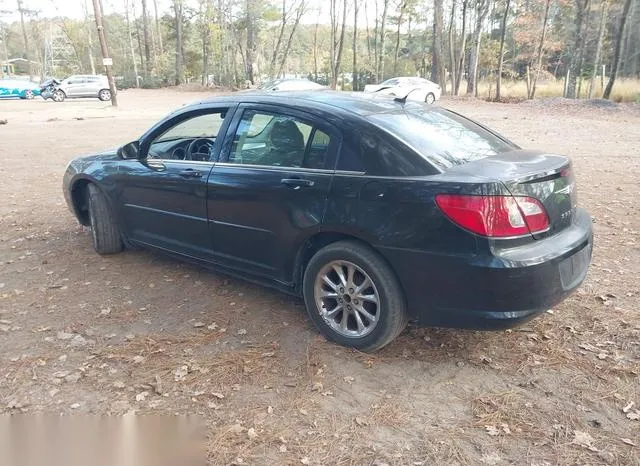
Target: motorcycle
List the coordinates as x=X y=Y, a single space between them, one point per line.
x=48 y=89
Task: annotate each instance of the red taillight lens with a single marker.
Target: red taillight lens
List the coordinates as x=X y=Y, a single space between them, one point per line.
x=495 y=216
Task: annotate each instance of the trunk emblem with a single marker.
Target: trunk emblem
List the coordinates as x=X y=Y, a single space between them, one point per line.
x=566 y=190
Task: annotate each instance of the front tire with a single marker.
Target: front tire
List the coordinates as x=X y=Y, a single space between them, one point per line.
x=58 y=96
x=104 y=95
x=353 y=297
x=29 y=94
x=430 y=99
x=104 y=228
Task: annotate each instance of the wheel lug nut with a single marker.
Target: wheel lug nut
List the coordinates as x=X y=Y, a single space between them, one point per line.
x=351 y=290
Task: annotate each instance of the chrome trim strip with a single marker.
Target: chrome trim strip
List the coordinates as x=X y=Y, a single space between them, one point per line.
x=242 y=227
x=165 y=212
x=319 y=171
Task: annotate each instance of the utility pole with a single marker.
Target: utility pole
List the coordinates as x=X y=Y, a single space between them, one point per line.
x=108 y=63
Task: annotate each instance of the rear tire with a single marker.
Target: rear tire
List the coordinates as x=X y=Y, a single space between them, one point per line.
x=104 y=228
x=58 y=96
x=384 y=297
x=430 y=99
x=104 y=95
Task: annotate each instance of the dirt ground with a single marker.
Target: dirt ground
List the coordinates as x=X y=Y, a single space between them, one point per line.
x=80 y=333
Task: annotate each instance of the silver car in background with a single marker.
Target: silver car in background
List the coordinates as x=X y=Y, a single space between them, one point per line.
x=83 y=86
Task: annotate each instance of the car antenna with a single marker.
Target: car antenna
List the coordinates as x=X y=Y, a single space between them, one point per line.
x=403 y=99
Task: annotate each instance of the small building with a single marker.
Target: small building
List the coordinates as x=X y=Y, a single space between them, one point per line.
x=21 y=66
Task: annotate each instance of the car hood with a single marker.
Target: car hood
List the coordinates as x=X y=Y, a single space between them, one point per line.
x=111 y=154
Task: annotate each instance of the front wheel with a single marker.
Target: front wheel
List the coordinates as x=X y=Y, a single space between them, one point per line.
x=430 y=99
x=353 y=297
x=104 y=95
x=104 y=228
x=29 y=95
x=58 y=96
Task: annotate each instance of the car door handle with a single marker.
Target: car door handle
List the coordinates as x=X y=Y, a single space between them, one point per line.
x=297 y=183
x=190 y=173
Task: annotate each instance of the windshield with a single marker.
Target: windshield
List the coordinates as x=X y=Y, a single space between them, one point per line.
x=443 y=138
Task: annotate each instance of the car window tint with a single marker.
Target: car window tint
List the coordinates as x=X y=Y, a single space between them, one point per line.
x=443 y=138
x=174 y=143
x=318 y=150
x=278 y=141
x=203 y=126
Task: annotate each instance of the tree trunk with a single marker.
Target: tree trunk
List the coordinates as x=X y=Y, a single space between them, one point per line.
x=618 y=51
x=177 y=8
x=452 y=51
x=438 y=72
x=376 y=29
x=252 y=38
x=366 y=19
x=276 y=49
x=315 y=52
x=26 y=54
x=383 y=34
x=285 y=55
x=341 y=43
x=158 y=31
x=354 y=74
x=92 y=62
x=131 y=47
x=403 y=6
x=205 y=19
x=463 y=46
x=147 y=45
x=136 y=24
x=536 y=75
x=503 y=34
x=575 y=66
x=481 y=15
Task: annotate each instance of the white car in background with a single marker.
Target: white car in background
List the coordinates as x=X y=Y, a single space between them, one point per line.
x=412 y=88
x=290 y=85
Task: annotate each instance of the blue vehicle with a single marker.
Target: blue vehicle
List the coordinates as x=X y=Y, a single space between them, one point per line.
x=14 y=89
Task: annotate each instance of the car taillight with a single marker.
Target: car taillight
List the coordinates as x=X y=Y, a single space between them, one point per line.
x=495 y=216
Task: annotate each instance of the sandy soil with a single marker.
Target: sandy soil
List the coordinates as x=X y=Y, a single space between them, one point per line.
x=80 y=333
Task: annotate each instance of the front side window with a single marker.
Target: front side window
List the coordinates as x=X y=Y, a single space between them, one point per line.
x=191 y=139
x=276 y=140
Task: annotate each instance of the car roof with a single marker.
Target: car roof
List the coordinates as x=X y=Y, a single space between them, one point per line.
x=358 y=103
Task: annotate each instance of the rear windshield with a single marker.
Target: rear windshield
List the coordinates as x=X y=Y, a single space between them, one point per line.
x=443 y=138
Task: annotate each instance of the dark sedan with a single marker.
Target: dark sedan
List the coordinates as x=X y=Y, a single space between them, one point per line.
x=375 y=210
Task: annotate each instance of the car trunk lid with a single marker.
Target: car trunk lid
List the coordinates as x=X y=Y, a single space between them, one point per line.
x=546 y=177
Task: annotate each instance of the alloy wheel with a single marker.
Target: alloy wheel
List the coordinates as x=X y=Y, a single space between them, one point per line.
x=347 y=299
x=105 y=95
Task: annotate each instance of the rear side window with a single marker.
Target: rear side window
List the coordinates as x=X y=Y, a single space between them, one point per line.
x=378 y=154
x=443 y=138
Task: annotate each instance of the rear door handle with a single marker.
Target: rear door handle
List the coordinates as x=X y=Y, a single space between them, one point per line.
x=190 y=173
x=297 y=183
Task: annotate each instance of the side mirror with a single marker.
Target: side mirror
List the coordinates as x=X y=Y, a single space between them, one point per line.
x=130 y=151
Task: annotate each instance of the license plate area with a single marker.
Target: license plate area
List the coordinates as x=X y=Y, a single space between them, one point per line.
x=573 y=269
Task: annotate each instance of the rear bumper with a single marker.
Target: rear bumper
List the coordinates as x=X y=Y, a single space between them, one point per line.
x=496 y=290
